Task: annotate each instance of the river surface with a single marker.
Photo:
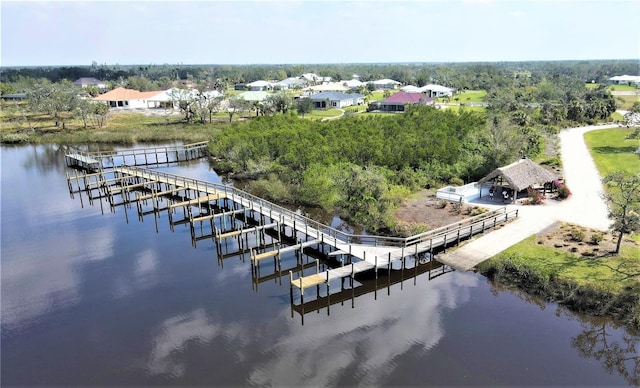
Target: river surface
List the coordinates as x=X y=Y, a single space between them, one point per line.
x=95 y=297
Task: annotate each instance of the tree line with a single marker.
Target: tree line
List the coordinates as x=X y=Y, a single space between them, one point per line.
x=486 y=76
x=365 y=165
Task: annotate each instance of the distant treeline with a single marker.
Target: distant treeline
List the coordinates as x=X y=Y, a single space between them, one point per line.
x=473 y=75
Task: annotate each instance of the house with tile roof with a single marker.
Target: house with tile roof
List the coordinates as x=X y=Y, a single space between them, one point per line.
x=128 y=98
x=397 y=102
x=327 y=100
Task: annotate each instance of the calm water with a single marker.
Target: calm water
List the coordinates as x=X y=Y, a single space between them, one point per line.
x=94 y=297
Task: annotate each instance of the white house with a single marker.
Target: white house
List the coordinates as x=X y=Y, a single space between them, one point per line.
x=260 y=85
x=291 y=83
x=385 y=83
x=625 y=79
x=254 y=95
x=352 y=83
x=89 y=81
x=326 y=100
x=330 y=87
x=435 y=91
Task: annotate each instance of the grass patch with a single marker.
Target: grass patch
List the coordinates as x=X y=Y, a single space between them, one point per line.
x=615 y=116
x=623 y=88
x=610 y=273
x=601 y=286
x=470 y=96
x=612 y=152
x=626 y=102
x=323 y=113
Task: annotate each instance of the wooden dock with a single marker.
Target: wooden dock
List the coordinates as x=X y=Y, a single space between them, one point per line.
x=365 y=253
x=95 y=161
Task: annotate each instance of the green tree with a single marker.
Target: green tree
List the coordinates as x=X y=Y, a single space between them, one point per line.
x=58 y=100
x=623 y=197
x=304 y=105
x=280 y=101
x=503 y=143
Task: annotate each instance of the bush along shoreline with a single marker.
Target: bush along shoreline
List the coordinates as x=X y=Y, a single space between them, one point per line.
x=623 y=306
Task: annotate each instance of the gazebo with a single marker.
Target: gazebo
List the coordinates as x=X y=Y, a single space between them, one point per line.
x=516 y=177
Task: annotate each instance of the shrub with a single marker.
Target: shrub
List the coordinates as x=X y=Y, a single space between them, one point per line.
x=441 y=204
x=455 y=181
x=596 y=238
x=564 y=192
x=552 y=161
x=577 y=235
x=535 y=196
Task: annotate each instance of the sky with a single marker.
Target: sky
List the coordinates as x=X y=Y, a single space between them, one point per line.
x=56 y=33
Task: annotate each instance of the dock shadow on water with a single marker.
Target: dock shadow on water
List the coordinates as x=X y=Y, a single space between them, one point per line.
x=123 y=288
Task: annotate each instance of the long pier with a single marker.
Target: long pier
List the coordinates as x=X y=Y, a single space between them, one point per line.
x=366 y=253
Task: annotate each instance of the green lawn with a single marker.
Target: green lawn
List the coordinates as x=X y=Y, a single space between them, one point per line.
x=470 y=96
x=615 y=116
x=611 y=151
x=623 y=88
x=379 y=94
x=322 y=113
x=626 y=102
x=599 y=273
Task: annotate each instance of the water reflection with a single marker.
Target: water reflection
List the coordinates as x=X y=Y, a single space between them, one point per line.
x=617 y=354
x=95 y=297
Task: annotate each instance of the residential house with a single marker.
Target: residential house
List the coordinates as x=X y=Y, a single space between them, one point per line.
x=397 y=102
x=291 y=83
x=89 y=81
x=168 y=98
x=352 y=84
x=330 y=87
x=326 y=100
x=386 y=83
x=625 y=80
x=259 y=95
x=13 y=96
x=436 y=91
x=127 y=98
x=260 y=85
x=411 y=89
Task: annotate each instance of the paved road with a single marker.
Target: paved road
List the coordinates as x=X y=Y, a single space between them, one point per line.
x=585 y=206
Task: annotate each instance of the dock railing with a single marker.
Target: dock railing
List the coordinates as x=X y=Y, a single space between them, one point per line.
x=312 y=228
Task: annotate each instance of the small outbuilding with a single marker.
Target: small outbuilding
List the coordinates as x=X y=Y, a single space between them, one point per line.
x=506 y=182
